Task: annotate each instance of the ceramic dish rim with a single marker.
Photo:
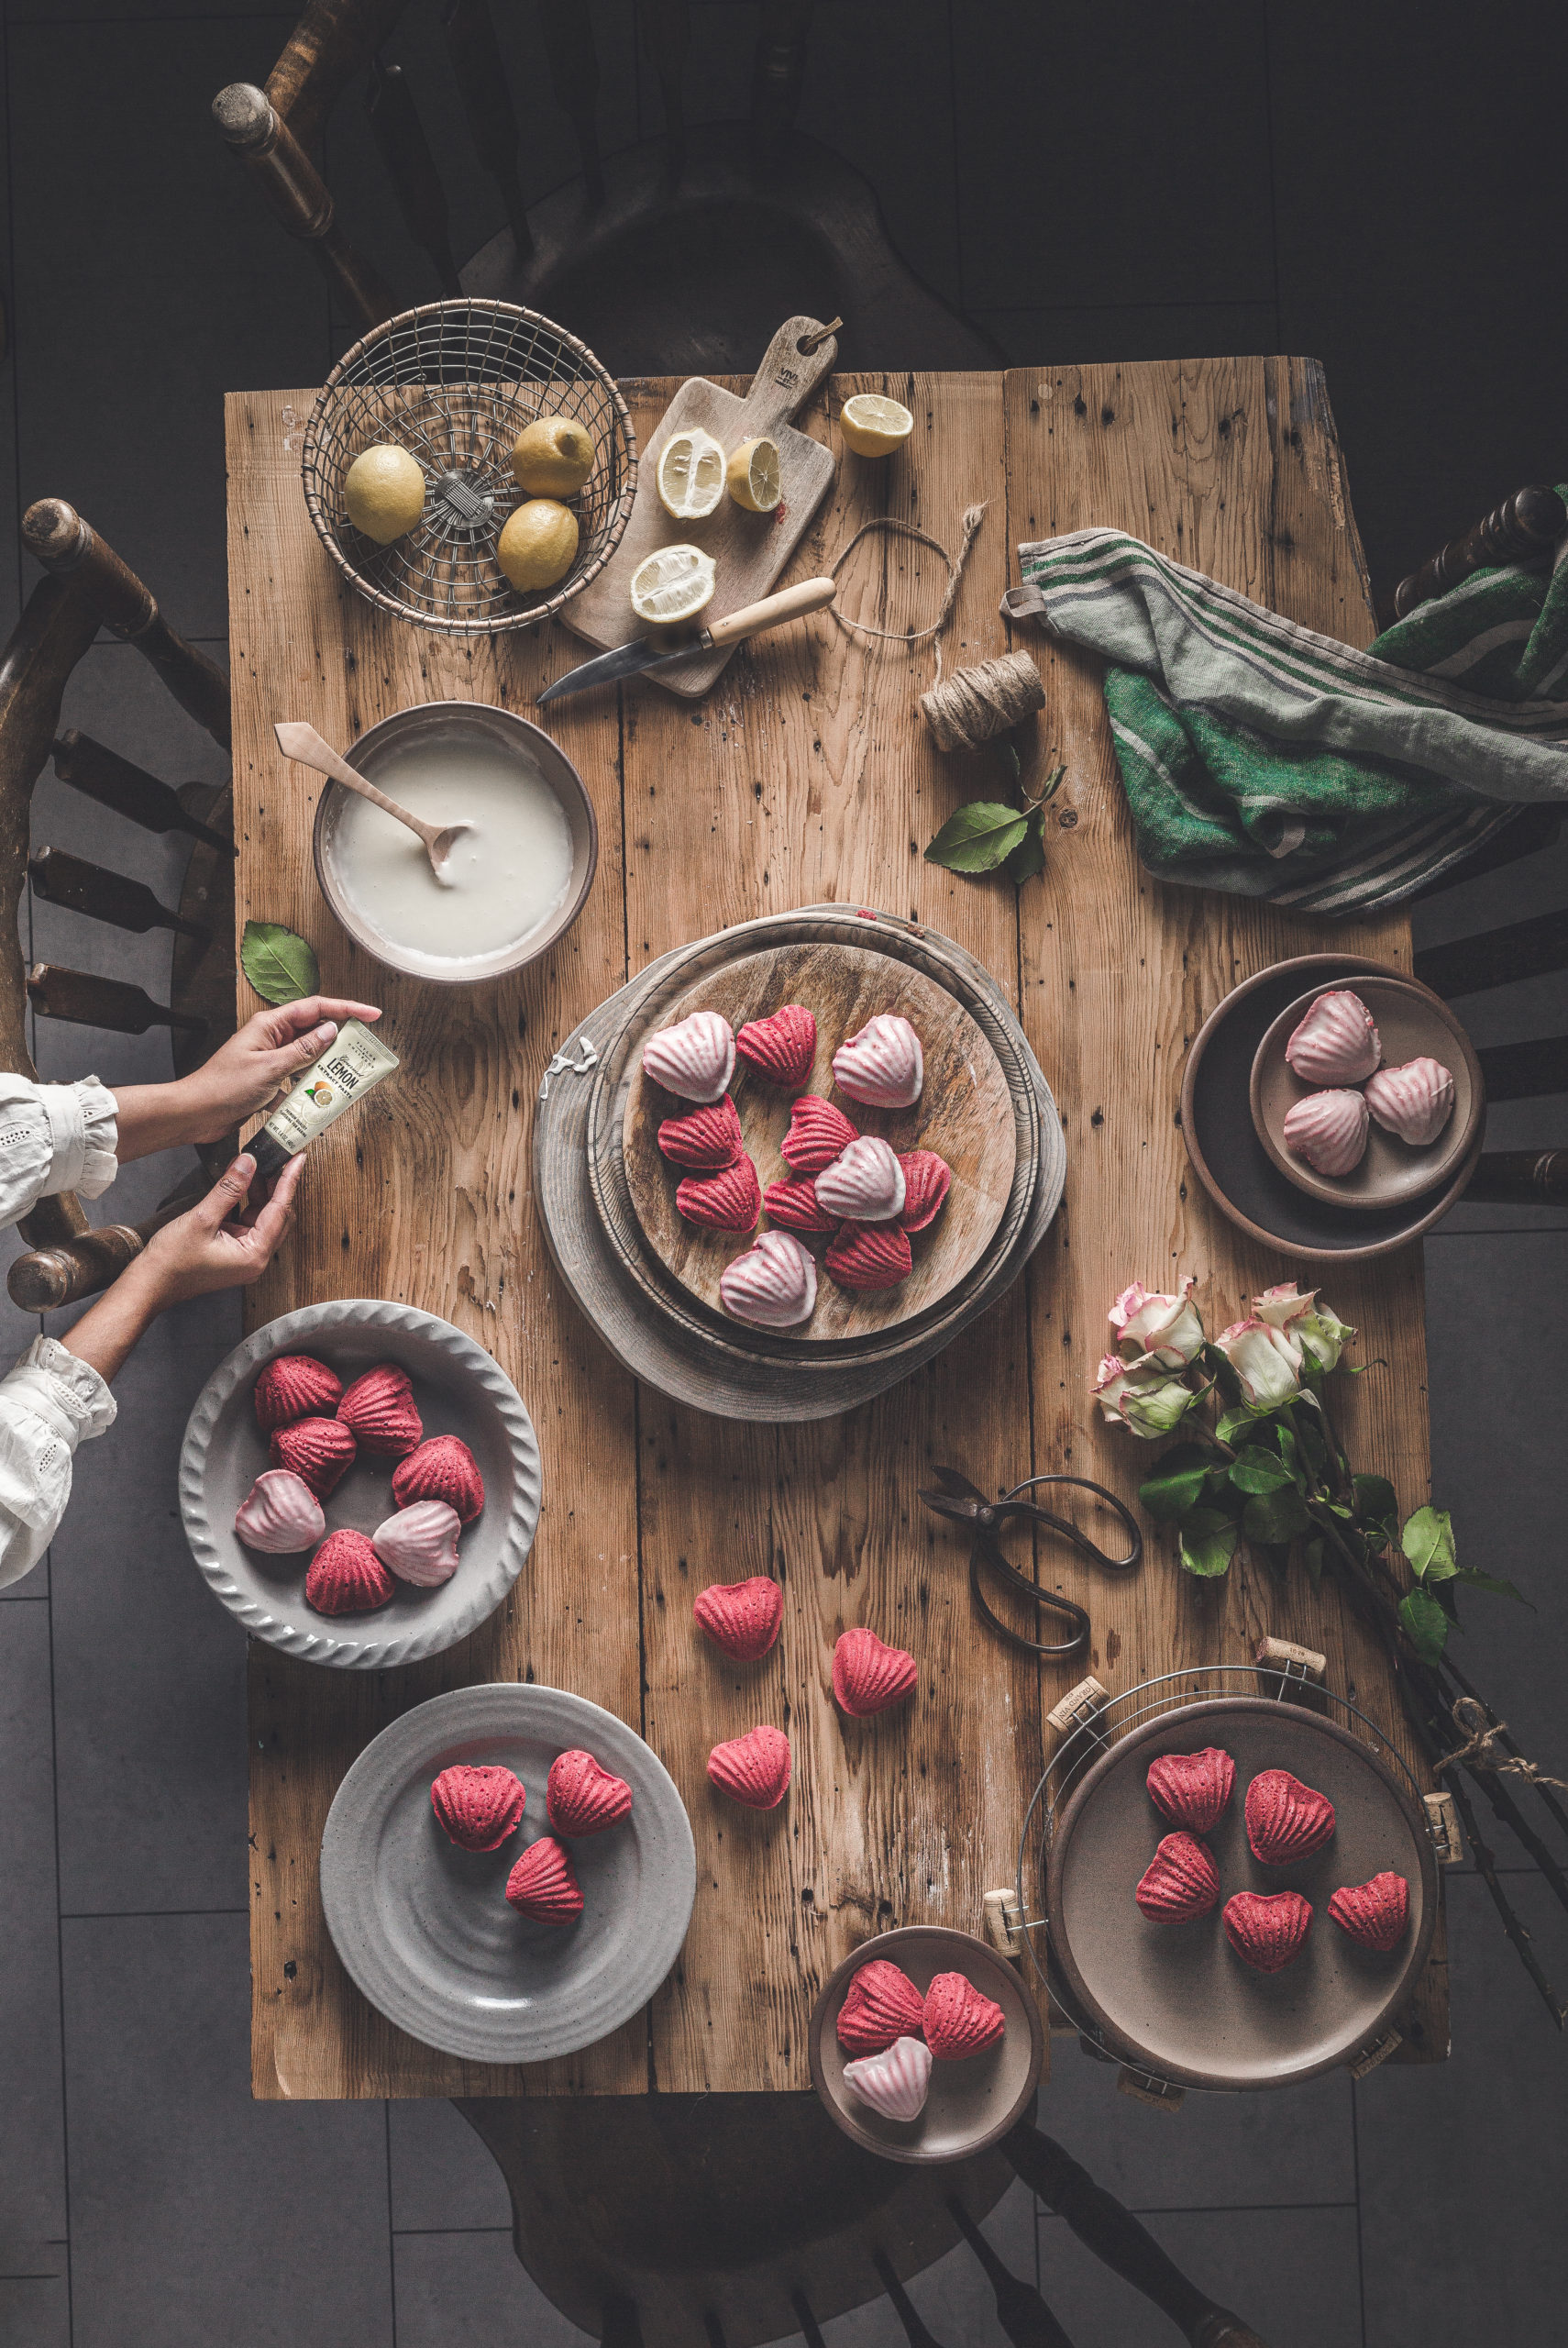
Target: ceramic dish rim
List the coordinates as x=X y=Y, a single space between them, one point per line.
x=328 y=1645
x=1345 y=965
x=887 y=1945
x=1182 y=1719
x=1454 y=1147
x=671 y=1817
x=503 y=961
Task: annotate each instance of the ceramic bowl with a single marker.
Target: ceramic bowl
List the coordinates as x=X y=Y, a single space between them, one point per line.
x=458 y=1391
x=972 y=2103
x=1413 y=1023
x=446 y=724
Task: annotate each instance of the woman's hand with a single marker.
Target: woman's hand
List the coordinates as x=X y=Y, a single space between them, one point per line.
x=245 y=1076
x=221 y=1242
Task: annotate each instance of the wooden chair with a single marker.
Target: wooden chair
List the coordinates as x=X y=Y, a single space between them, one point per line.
x=738 y=2219
x=671 y=257
x=89 y=587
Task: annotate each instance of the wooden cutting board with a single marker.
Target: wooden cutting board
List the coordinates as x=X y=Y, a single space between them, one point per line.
x=750 y=549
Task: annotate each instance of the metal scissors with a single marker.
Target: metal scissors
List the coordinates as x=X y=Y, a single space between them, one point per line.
x=958 y=1498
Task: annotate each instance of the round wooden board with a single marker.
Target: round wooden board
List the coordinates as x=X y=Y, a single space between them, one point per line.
x=965 y=1112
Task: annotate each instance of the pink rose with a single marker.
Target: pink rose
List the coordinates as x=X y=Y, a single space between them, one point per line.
x=1266 y=1359
x=1313 y=1326
x=1141 y=1395
x=1167 y=1327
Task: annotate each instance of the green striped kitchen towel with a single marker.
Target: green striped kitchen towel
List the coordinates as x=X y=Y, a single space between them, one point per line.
x=1259 y=757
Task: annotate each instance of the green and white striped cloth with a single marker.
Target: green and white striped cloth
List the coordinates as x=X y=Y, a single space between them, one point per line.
x=1259 y=757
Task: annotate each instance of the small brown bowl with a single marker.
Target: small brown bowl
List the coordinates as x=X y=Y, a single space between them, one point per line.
x=1413 y=1024
x=442 y=722
x=972 y=2103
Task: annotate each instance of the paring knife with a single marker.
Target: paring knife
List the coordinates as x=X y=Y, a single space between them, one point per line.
x=648 y=652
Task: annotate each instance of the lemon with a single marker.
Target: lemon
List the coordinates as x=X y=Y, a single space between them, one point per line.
x=873 y=427
x=384 y=492
x=673 y=583
x=690 y=474
x=554 y=457
x=539 y=545
x=752 y=476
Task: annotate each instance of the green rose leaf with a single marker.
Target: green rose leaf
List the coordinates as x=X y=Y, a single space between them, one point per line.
x=1478 y=1581
x=1028 y=858
x=1425 y=1624
x=1208 y=1542
x=1256 y=1470
x=1232 y=1424
x=1273 y=1517
x=281 y=965
x=1378 y=1506
x=1428 y=1542
x=1174 y=1486
x=1313 y=1552
x=978 y=838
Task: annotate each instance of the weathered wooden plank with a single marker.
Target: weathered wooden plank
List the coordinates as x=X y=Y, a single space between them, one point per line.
x=1231 y=466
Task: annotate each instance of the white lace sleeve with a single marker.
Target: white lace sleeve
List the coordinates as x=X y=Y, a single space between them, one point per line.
x=53 y=1137
x=49 y=1403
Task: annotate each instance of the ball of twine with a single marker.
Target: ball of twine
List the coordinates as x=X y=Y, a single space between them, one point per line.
x=974 y=706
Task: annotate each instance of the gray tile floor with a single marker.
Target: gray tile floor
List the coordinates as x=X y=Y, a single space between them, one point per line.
x=1089 y=187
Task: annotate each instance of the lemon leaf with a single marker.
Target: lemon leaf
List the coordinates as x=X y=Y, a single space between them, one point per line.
x=278 y=963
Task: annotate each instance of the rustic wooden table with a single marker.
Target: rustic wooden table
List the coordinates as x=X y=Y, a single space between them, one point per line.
x=806 y=775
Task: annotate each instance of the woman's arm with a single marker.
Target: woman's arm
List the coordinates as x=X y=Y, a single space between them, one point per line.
x=245 y=1076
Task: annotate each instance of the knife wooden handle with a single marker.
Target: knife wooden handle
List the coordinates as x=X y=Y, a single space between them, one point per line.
x=790 y=603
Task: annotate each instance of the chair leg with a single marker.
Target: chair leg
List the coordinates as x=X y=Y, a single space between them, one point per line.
x=1114 y=2235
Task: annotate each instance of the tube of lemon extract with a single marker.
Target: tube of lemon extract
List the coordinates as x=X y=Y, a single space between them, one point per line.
x=351 y=1064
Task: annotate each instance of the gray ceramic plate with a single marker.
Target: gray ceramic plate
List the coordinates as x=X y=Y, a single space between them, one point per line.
x=424 y=1929
x=1412 y=1024
x=970 y=2104
x=1175 y=1998
x=459 y=1390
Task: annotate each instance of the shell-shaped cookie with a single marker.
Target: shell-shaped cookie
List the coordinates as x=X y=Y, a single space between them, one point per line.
x=582 y=1799
x=741 y=1617
x=870 y=1256
x=1375 y=1912
x=1181 y=1880
x=959 y=2019
x=1192 y=1789
x=781 y=1047
x=1329 y=1130
x=894 y=2083
x=753 y=1769
x=865 y=1184
x=543 y=1883
x=295 y=1386
x=1267 y=1928
x=379 y=1412
x=345 y=1576
x=1336 y=1042
x=1286 y=1820
x=443 y=1468
x=419 y=1545
x=279 y=1514
x=868 y=1674
x=794 y=1206
x=730 y=1200
x=773 y=1285
x=880 y=2004
x=704 y=1139
x=1414 y=1101
x=477 y=1808
x=927 y=1180
x=695 y=1059
x=319 y=1451
x=883 y=1065
x=818 y=1134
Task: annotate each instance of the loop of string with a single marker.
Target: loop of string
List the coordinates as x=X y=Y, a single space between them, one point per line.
x=1482 y=1749
x=973 y=517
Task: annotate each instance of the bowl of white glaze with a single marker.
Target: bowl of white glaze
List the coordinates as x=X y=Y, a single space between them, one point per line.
x=517 y=881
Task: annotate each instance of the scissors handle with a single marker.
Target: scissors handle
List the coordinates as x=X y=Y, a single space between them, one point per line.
x=961 y=1500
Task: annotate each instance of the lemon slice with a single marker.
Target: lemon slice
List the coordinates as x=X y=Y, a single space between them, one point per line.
x=752 y=476
x=673 y=583
x=690 y=474
x=873 y=427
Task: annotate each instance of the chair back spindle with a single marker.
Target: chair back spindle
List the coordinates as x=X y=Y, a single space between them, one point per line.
x=416 y=183
x=1523 y=529
x=666 y=30
x=574 y=77
x=481 y=76
x=69 y=880
x=295 y=190
x=129 y=790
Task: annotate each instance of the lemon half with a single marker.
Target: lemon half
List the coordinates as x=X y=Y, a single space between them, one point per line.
x=752 y=476
x=672 y=583
x=553 y=456
x=539 y=545
x=690 y=475
x=384 y=492
x=873 y=427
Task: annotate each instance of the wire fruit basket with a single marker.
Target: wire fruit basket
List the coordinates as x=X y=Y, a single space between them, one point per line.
x=454 y=383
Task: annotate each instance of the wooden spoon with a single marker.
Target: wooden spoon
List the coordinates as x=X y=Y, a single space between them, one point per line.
x=306 y=748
